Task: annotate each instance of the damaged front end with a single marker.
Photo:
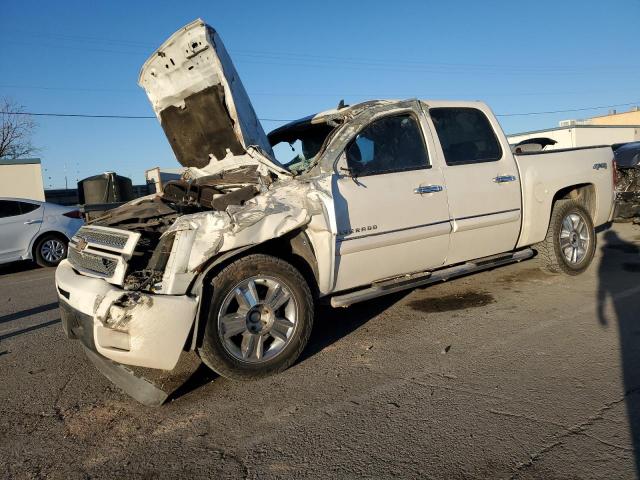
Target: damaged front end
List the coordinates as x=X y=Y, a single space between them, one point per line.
x=628 y=194
x=628 y=182
x=132 y=271
x=161 y=238
x=128 y=289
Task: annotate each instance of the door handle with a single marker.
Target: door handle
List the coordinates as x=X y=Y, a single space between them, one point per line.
x=31 y=222
x=427 y=189
x=504 y=178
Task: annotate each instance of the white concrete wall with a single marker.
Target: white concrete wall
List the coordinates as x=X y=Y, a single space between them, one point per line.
x=606 y=136
x=570 y=137
x=21 y=180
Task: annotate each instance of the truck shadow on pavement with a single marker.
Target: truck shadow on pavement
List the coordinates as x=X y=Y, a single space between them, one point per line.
x=330 y=325
x=619 y=288
x=333 y=324
x=16 y=267
x=28 y=312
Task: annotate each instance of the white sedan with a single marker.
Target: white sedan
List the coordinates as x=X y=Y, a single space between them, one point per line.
x=35 y=230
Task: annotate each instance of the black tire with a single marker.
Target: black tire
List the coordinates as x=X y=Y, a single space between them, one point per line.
x=213 y=351
x=42 y=251
x=550 y=253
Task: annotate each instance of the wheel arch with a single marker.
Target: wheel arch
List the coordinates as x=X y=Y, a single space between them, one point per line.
x=294 y=247
x=550 y=251
x=36 y=239
x=583 y=193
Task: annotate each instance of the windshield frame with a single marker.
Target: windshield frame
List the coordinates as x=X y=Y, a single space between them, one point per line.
x=297 y=132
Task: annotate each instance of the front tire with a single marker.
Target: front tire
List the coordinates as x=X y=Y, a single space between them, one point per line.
x=50 y=250
x=260 y=318
x=570 y=244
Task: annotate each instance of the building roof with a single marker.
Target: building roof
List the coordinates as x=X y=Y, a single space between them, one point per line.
x=615 y=113
x=19 y=161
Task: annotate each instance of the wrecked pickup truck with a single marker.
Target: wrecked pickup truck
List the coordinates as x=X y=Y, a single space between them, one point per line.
x=228 y=262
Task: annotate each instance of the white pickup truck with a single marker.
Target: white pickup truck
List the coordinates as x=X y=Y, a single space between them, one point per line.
x=382 y=196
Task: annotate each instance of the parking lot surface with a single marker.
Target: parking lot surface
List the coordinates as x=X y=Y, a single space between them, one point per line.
x=510 y=373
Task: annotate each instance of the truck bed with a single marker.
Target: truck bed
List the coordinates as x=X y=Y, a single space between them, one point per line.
x=569 y=166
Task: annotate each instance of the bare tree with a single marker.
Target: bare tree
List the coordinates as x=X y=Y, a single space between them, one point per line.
x=16 y=129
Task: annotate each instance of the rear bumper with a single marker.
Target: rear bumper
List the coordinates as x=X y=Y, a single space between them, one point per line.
x=130 y=328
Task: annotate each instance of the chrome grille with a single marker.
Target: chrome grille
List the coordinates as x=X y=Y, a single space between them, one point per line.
x=99 y=237
x=93 y=263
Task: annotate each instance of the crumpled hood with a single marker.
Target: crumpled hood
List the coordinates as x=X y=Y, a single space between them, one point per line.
x=201 y=103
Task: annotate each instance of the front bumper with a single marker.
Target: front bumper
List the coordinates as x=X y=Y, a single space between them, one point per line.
x=130 y=328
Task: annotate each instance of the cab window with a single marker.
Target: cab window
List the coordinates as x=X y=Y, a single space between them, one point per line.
x=466 y=136
x=390 y=144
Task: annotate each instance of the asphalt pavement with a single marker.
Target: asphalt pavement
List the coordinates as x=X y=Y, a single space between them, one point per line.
x=510 y=373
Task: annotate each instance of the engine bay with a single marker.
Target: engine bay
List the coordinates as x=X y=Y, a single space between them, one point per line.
x=151 y=217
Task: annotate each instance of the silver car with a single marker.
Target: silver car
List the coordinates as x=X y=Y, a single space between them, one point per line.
x=34 y=230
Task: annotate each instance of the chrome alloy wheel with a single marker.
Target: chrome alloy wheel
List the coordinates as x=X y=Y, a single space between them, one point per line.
x=574 y=238
x=257 y=319
x=52 y=250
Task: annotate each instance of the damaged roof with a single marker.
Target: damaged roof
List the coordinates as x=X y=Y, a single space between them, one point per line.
x=336 y=115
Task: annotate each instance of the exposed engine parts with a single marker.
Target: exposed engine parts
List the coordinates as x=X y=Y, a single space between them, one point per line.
x=151 y=217
x=628 y=193
x=627 y=181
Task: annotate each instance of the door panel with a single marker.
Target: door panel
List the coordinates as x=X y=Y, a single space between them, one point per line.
x=385 y=229
x=386 y=226
x=17 y=231
x=485 y=215
x=482 y=178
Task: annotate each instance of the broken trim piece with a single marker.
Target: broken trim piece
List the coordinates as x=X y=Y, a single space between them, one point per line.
x=137 y=387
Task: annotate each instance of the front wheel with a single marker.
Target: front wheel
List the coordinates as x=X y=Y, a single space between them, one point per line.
x=260 y=318
x=570 y=243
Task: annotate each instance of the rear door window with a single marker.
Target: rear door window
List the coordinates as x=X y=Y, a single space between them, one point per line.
x=26 y=207
x=9 y=208
x=466 y=135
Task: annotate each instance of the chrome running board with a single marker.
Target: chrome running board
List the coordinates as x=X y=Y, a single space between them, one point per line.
x=426 y=278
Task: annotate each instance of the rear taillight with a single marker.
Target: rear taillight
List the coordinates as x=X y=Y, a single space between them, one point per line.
x=614 y=172
x=73 y=214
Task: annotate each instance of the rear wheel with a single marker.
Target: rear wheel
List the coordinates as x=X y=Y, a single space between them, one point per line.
x=50 y=250
x=570 y=243
x=260 y=318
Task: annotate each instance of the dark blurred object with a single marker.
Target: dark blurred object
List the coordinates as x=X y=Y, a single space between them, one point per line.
x=105 y=188
x=69 y=196
x=628 y=155
x=627 y=158
x=100 y=193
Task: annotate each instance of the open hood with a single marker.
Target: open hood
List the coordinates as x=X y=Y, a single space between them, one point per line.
x=201 y=103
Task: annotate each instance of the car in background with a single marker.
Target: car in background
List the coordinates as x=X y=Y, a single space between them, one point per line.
x=34 y=230
x=627 y=158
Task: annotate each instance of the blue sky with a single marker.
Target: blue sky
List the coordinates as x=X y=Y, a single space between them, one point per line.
x=296 y=58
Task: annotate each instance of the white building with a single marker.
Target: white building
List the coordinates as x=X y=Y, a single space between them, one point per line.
x=21 y=178
x=578 y=135
x=615 y=127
